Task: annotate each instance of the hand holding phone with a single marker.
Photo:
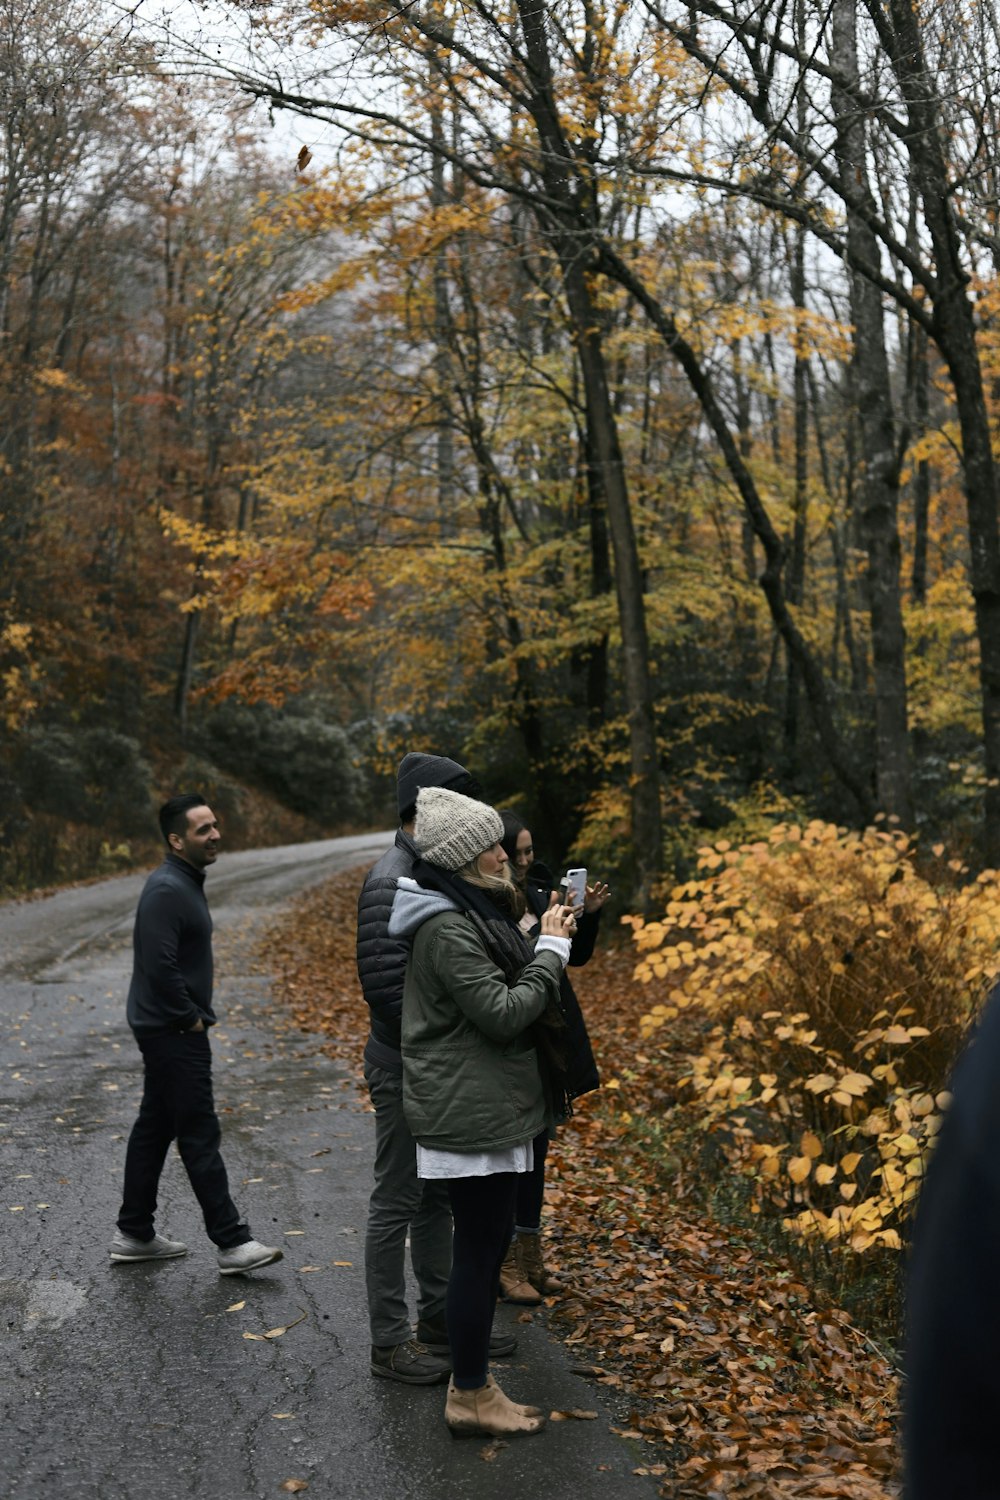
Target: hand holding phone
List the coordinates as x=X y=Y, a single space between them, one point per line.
x=576 y=886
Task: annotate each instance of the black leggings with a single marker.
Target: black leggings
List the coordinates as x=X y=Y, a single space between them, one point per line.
x=483 y=1213
x=531 y=1187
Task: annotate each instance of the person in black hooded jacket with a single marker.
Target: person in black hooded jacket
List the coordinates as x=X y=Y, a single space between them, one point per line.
x=524 y=1278
x=400 y=1203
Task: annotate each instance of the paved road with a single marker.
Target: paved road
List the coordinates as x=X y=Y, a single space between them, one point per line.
x=137 y=1382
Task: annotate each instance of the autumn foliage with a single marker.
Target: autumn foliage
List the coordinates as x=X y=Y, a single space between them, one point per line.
x=837 y=979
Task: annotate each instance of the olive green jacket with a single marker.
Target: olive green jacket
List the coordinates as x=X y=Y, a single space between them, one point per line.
x=471 y=1080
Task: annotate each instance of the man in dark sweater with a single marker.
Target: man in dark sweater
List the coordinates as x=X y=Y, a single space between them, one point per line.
x=400 y=1203
x=169 y=1009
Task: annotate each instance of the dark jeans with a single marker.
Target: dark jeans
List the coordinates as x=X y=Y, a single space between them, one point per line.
x=483 y=1211
x=402 y=1206
x=531 y=1187
x=177 y=1105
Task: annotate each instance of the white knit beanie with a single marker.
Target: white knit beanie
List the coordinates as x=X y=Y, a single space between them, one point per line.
x=451 y=830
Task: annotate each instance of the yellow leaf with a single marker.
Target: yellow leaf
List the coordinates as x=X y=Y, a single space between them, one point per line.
x=825 y=1174
x=294 y=1486
x=850 y=1161
x=855 y=1084
x=236 y=1306
x=898 y=1036
x=799 y=1168
x=819 y=1083
x=811 y=1145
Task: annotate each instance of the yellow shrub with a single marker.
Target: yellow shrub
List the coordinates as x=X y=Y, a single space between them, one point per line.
x=841 y=983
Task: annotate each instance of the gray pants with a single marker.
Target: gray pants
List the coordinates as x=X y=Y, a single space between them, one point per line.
x=400 y=1202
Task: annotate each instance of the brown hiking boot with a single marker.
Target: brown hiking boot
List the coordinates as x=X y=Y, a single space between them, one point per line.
x=514 y=1284
x=487 y=1412
x=533 y=1266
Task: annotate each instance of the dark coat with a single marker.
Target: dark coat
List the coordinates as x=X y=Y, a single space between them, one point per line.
x=952 y=1390
x=582 y=1075
x=381 y=958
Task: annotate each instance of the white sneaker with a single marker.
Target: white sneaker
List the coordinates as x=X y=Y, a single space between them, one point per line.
x=126 y=1247
x=247 y=1257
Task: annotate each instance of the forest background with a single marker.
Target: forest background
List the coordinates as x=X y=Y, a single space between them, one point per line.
x=603 y=395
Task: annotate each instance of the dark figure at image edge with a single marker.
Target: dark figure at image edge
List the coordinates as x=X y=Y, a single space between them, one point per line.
x=951 y=1394
x=170 y=1011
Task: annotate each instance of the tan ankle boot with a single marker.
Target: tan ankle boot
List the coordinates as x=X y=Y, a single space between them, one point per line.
x=487 y=1412
x=514 y=1285
x=533 y=1266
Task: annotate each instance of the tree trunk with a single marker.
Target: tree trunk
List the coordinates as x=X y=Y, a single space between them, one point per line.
x=573 y=226
x=954 y=332
x=880 y=475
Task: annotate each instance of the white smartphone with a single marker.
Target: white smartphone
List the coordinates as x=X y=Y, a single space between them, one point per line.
x=576 y=886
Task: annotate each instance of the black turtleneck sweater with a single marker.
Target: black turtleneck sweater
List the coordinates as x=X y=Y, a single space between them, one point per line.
x=171 y=985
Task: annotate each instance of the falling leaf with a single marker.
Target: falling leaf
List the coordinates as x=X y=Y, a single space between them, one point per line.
x=303 y=159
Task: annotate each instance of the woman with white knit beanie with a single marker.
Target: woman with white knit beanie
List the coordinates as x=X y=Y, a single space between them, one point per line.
x=481 y=1067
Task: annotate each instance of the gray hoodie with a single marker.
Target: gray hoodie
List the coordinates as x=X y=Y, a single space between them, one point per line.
x=412 y=905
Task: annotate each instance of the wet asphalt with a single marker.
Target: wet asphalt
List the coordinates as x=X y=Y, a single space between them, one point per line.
x=142 y=1382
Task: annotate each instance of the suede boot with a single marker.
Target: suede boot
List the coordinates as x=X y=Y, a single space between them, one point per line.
x=533 y=1266
x=486 y=1412
x=514 y=1284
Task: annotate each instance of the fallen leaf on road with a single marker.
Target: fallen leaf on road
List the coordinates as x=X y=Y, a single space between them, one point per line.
x=293 y=1486
x=236 y=1306
x=294 y=1231
x=303 y=1269
x=282 y=1416
x=323 y=1151
x=579 y=1416
x=275 y=1333
x=341 y=1262
x=491 y=1452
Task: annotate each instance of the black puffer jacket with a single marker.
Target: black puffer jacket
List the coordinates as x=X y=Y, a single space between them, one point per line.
x=581 y=1074
x=381 y=958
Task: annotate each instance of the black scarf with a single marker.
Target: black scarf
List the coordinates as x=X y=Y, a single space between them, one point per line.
x=510 y=951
